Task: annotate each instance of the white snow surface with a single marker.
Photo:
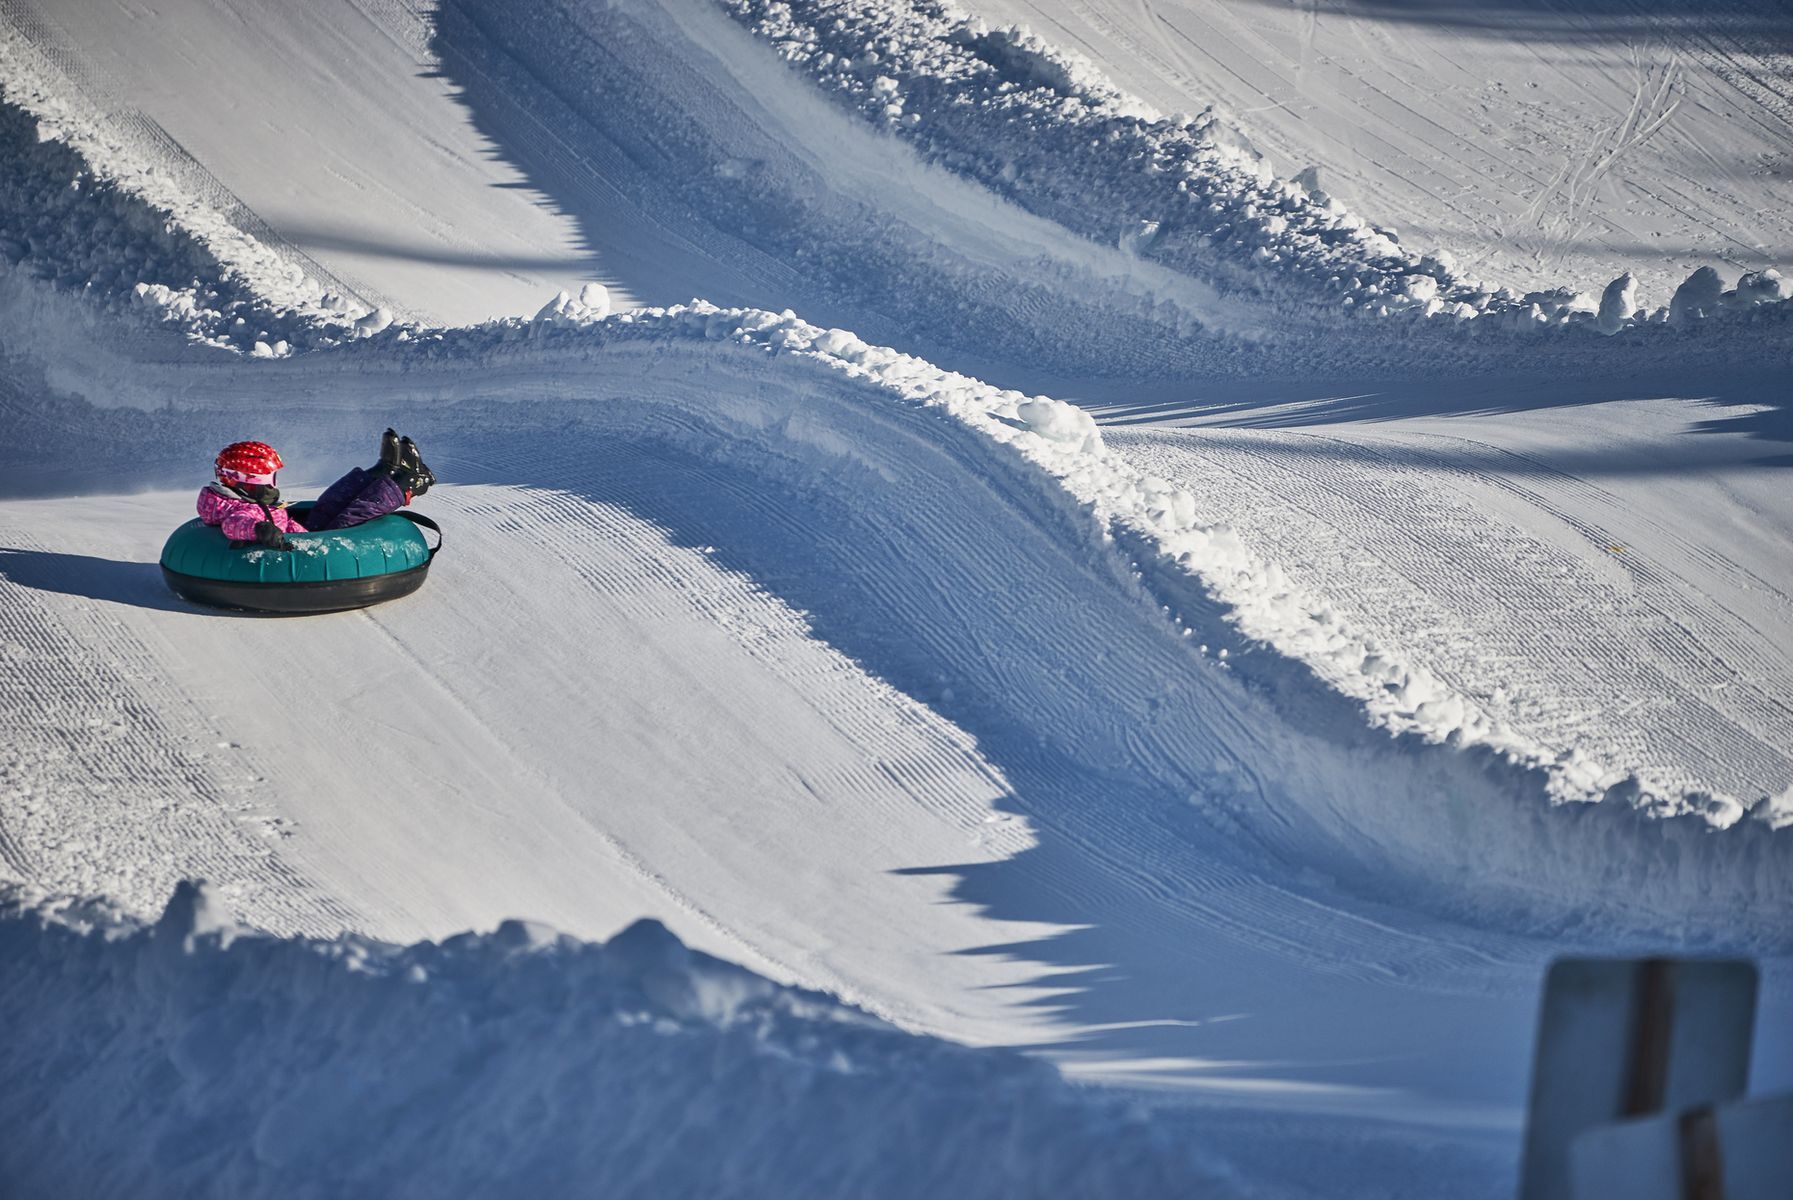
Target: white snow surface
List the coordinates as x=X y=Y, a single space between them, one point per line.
x=1541 y=143
x=274 y=168
x=1225 y=754
x=197 y=1058
x=964 y=192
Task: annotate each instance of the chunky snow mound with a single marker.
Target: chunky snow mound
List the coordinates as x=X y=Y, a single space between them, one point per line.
x=194 y=1058
x=62 y=224
x=1545 y=143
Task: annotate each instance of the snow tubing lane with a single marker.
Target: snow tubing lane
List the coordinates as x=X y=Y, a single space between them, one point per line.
x=327 y=571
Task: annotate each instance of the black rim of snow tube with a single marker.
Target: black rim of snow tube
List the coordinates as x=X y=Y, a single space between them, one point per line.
x=309 y=596
x=314 y=596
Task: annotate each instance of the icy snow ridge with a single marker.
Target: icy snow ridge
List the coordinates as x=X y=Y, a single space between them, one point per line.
x=197 y=1058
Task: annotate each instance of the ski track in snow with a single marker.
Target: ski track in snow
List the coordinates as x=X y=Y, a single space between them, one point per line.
x=902 y=760
x=116 y=781
x=1637 y=670
x=662 y=613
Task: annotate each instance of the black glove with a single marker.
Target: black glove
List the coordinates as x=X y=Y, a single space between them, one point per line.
x=268 y=534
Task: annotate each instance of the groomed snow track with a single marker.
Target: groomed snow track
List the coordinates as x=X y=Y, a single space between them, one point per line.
x=1660 y=651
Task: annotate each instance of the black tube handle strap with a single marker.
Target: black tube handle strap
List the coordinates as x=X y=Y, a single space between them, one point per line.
x=423 y=522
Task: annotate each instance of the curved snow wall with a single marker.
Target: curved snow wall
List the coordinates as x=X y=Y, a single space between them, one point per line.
x=1074 y=624
x=1047 y=627
x=189 y=1058
x=797 y=205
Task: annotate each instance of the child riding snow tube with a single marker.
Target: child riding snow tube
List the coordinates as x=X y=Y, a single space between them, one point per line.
x=351 y=548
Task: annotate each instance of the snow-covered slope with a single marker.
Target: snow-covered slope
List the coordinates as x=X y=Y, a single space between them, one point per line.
x=1542 y=143
x=1089 y=773
x=1163 y=754
x=1602 y=578
x=326 y=130
x=579 y=97
x=904 y=172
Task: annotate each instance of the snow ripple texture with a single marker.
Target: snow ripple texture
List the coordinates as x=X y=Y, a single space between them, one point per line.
x=91 y=733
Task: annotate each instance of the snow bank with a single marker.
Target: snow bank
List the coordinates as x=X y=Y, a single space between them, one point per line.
x=975 y=197
x=194 y=1058
x=83 y=205
x=797 y=204
x=1150 y=247
x=1044 y=129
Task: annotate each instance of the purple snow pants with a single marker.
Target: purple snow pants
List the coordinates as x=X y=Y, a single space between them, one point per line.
x=355 y=498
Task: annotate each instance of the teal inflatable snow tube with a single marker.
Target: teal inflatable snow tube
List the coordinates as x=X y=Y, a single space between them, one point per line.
x=327 y=571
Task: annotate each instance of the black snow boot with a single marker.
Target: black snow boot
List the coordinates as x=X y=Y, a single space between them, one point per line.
x=411 y=473
x=389 y=454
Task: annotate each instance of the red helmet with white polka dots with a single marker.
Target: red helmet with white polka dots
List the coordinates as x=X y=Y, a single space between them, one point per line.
x=248 y=462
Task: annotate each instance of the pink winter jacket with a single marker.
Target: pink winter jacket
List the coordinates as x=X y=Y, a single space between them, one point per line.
x=238 y=517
